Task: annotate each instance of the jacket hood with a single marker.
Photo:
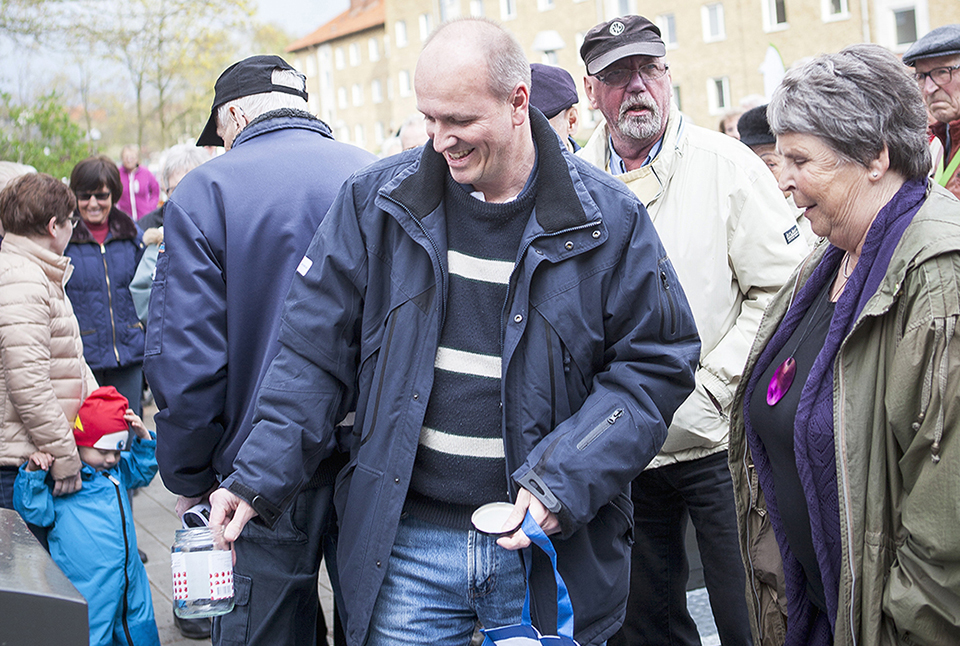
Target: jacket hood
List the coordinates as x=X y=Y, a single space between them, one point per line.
x=122 y=227
x=558 y=204
x=281 y=119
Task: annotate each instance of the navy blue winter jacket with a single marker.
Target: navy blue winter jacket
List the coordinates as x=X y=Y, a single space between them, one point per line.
x=99 y=291
x=234 y=231
x=599 y=349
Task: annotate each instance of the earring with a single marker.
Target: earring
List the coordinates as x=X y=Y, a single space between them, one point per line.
x=876 y=174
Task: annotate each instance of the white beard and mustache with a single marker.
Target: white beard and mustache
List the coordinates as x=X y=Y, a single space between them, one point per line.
x=640 y=127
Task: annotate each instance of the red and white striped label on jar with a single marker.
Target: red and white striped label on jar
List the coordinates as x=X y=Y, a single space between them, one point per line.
x=202 y=575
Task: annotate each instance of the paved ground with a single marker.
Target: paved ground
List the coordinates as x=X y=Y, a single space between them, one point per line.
x=153 y=513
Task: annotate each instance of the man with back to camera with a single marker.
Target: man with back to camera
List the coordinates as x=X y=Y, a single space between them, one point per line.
x=234 y=231
x=936 y=59
x=553 y=92
x=734 y=243
x=509 y=328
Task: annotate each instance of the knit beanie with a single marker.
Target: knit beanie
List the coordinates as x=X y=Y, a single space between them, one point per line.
x=100 y=422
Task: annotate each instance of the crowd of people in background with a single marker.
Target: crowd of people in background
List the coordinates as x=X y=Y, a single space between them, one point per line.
x=752 y=331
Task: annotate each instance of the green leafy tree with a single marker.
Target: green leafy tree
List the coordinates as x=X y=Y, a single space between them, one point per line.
x=41 y=135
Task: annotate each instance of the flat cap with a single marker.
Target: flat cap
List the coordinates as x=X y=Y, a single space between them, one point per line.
x=754 y=128
x=253 y=75
x=610 y=41
x=552 y=89
x=942 y=41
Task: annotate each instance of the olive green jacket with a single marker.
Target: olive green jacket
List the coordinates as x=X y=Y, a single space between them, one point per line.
x=897 y=427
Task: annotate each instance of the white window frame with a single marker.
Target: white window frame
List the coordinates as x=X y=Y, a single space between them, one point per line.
x=354 y=54
x=378 y=133
x=342 y=98
x=373 y=50
x=339 y=60
x=356 y=95
x=449 y=9
x=718 y=94
x=769 y=10
x=664 y=22
x=476 y=8
x=508 y=9
x=545 y=5
x=425 y=21
x=358 y=135
x=403 y=83
x=376 y=91
x=400 y=33
x=708 y=36
x=886 y=17
x=826 y=11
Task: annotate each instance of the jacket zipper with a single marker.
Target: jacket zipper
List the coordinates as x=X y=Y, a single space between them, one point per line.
x=113 y=323
x=599 y=429
x=126 y=555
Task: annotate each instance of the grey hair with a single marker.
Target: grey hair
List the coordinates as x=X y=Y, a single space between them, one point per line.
x=11 y=170
x=256 y=104
x=507 y=64
x=180 y=159
x=857 y=101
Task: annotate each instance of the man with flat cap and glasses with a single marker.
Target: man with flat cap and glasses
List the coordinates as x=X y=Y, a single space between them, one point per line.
x=734 y=242
x=234 y=231
x=936 y=59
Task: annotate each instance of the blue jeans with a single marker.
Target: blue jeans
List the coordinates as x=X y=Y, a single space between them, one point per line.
x=657 y=606
x=440 y=582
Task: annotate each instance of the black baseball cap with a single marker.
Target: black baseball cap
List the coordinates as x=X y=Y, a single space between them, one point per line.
x=610 y=41
x=552 y=89
x=250 y=76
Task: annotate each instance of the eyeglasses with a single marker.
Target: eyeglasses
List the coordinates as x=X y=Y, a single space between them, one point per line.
x=74 y=221
x=939 y=75
x=621 y=76
x=101 y=197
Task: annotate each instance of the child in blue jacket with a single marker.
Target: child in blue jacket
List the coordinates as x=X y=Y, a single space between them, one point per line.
x=92 y=536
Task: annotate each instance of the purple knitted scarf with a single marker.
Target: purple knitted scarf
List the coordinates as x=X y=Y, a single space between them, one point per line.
x=814 y=442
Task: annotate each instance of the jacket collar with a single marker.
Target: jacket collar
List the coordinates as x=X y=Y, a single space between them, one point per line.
x=282 y=119
x=122 y=227
x=557 y=207
x=57 y=268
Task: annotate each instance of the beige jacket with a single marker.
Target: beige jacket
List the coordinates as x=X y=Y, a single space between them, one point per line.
x=733 y=241
x=43 y=378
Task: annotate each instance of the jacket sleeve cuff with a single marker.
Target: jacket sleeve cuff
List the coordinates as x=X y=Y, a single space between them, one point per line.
x=266 y=510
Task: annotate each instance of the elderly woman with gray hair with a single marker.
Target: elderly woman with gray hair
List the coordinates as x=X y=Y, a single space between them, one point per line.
x=844 y=432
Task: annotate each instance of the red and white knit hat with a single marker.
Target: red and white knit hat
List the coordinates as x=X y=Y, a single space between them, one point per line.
x=100 y=422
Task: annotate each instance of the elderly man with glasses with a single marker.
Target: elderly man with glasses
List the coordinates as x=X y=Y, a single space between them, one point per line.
x=734 y=243
x=936 y=59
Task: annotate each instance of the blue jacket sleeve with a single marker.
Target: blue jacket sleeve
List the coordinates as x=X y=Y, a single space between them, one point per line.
x=32 y=497
x=310 y=385
x=186 y=354
x=652 y=348
x=139 y=465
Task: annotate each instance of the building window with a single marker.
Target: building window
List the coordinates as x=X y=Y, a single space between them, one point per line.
x=544 y=5
x=378 y=132
x=358 y=137
x=667 y=23
x=712 y=18
x=338 y=59
x=400 y=33
x=404 y=83
x=774 y=15
x=676 y=97
x=476 y=8
x=905 y=22
x=426 y=25
x=623 y=8
x=834 y=10
x=449 y=9
x=354 y=54
x=508 y=9
x=718 y=94
x=376 y=91
x=373 y=48
x=342 y=97
x=357 y=94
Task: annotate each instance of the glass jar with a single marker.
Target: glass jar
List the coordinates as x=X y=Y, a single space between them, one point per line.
x=202 y=573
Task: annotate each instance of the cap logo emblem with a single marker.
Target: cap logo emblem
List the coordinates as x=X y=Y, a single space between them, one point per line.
x=616 y=28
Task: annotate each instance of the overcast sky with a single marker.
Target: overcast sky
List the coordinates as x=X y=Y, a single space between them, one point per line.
x=300 y=17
